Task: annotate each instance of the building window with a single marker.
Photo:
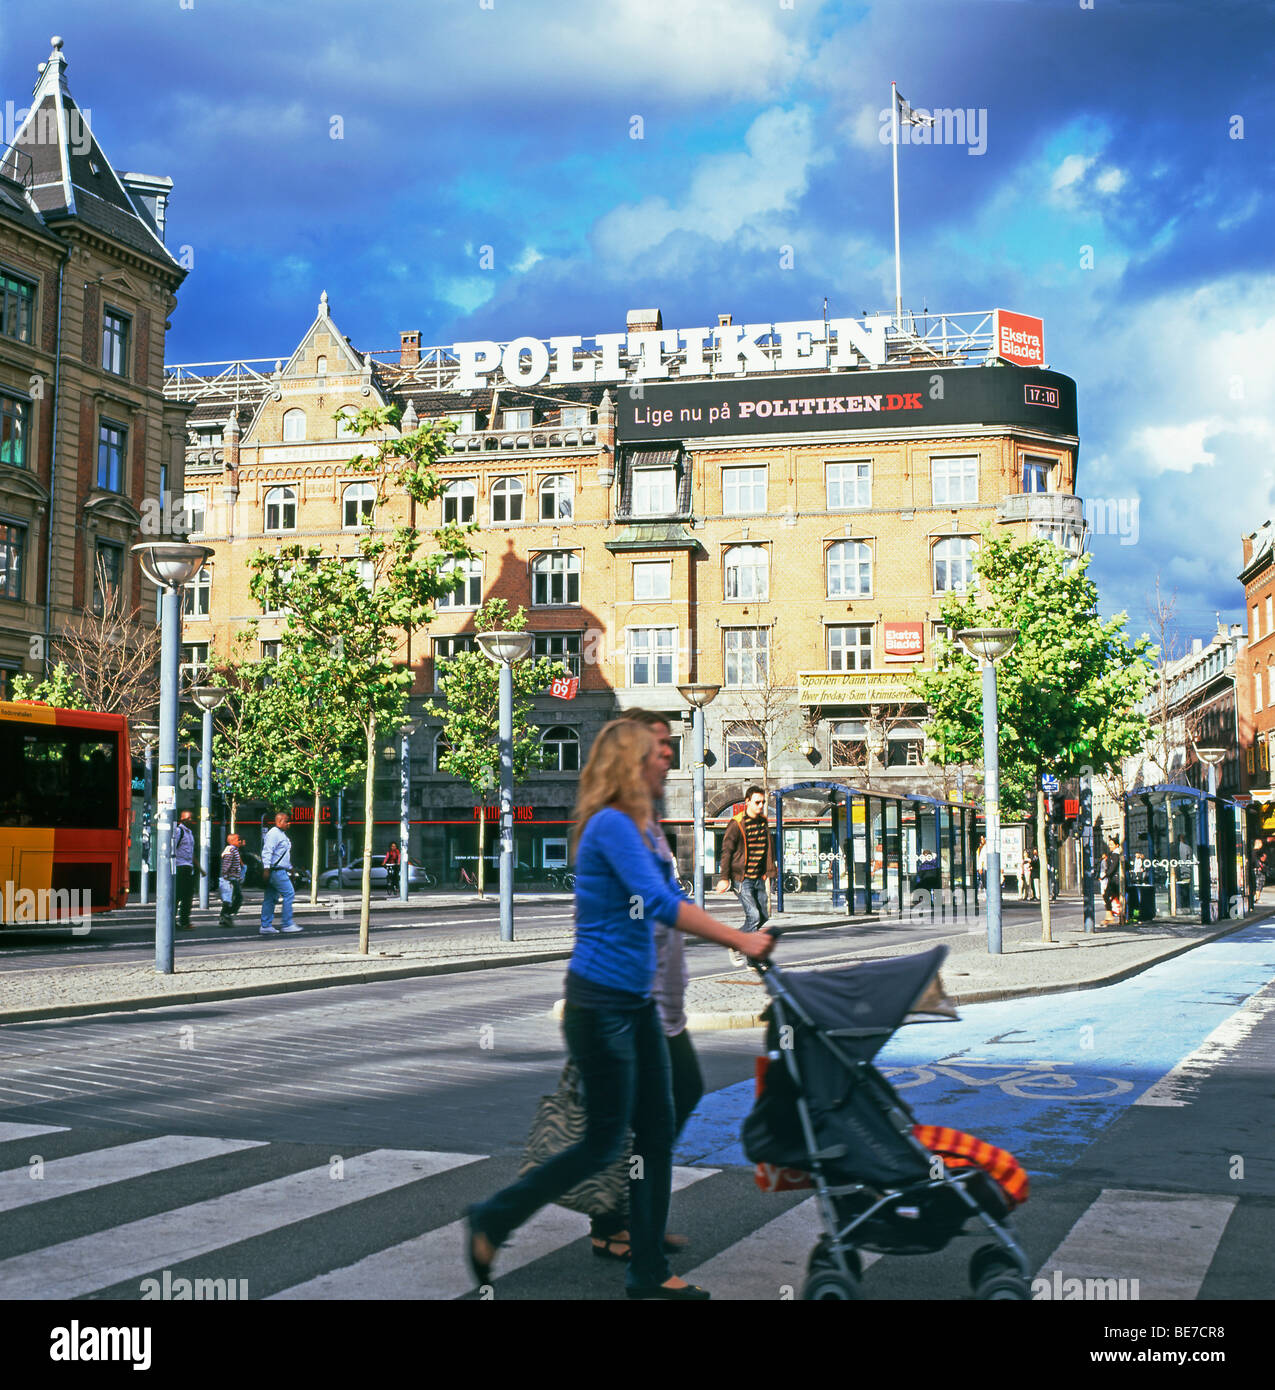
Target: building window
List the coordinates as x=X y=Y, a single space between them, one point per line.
x=652 y=580
x=562 y=749
x=574 y=417
x=555 y=579
x=17 y=307
x=469 y=591
x=1257 y=690
x=441 y=749
x=849 y=485
x=849 y=743
x=1257 y=627
x=560 y=646
x=743 y=491
x=13 y=544
x=13 y=431
x=654 y=491
x=357 y=503
x=108 y=572
x=850 y=648
x=365 y=569
x=849 y=569
x=747 y=655
x=506 y=501
x=293 y=426
x=281 y=509
x=460 y=499
x=194 y=663
x=345 y=423
x=747 y=573
x=8 y=671
x=197 y=595
x=466 y=421
x=904 y=746
x=954 y=480
x=745 y=748
x=557 y=501
x=115 y=327
x=652 y=655
x=321 y=365
x=194 y=506
x=1036 y=474
x=445 y=648
x=517 y=419
x=111 y=442
x=1270 y=604
x=270 y=649
x=953 y=565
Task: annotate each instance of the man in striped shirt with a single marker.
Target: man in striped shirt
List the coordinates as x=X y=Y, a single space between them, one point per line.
x=748 y=860
x=230 y=881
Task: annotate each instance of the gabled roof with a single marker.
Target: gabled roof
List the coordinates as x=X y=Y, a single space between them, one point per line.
x=71 y=177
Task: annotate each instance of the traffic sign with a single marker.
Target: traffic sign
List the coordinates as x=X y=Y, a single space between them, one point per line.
x=1049 y=783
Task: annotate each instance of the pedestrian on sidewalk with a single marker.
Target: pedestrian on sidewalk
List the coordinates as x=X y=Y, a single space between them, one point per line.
x=1035 y=875
x=747 y=864
x=1259 y=871
x=230 y=881
x=981 y=862
x=624 y=884
x=276 y=866
x=392 y=865
x=184 y=864
x=1111 y=886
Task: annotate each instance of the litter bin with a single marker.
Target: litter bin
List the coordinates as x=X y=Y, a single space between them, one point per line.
x=1143 y=901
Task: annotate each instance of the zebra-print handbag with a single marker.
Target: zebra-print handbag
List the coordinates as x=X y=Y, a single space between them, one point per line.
x=560 y=1123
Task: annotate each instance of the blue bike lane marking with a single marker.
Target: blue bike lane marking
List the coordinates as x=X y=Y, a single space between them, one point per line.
x=1114 y=1043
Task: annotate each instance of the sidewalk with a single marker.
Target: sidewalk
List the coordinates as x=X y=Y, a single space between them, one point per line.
x=732 y=999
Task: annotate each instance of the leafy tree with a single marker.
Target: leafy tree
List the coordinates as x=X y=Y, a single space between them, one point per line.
x=59 y=688
x=470 y=684
x=345 y=619
x=1067 y=692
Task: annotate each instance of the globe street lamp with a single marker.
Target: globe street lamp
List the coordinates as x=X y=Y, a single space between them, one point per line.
x=207 y=697
x=504 y=648
x=1212 y=758
x=170 y=565
x=148 y=733
x=698 y=696
x=410 y=726
x=989 y=644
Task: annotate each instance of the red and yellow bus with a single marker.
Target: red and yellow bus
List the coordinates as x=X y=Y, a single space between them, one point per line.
x=65 y=803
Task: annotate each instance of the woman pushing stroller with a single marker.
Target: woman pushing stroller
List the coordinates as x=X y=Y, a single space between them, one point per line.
x=625 y=882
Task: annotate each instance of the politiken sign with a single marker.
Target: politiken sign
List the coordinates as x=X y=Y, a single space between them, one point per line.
x=1019 y=338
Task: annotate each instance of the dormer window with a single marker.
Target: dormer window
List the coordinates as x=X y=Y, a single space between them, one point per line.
x=654 y=491
x=517 y=419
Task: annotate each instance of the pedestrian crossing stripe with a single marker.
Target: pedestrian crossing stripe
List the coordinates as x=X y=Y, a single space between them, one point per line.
x=1121 y=1237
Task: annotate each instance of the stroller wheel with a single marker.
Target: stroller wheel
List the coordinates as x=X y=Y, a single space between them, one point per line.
x=988 y=1261
x=831 y=1286
x=1004 y=1287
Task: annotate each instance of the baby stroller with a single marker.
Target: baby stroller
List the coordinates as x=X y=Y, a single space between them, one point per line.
x=825 y=1110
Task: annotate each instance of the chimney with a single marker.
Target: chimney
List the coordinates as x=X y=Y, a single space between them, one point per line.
x=606 y=440
x=644 y=321
x=409 y=351
x=1197 y=645
x=724 y=320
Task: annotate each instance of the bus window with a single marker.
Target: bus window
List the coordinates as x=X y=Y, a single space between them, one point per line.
x=66 y=778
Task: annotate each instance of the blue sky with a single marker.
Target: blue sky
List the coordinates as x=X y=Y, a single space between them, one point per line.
x=1112 y=198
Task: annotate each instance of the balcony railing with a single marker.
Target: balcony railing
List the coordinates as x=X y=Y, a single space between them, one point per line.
x=1060 y=508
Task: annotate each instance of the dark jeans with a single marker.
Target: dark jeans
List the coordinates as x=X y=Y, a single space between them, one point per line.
x=688 y=1091
x=752 y=893
x=624 y=1066
x=185 y=893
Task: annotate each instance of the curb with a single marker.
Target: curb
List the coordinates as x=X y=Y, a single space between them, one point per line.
x=189 y=997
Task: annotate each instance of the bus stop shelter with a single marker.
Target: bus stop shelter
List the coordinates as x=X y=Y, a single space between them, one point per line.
x=868 y=852
x=1184 y=854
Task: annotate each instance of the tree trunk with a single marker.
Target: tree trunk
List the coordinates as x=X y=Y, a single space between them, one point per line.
x=1042 y=850
x=234 y=813
x=482 y=846
x=314 y=852
x=365 y=890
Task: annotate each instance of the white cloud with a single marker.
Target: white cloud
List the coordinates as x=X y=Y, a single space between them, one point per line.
x=1111 y=180
x=1071 y=171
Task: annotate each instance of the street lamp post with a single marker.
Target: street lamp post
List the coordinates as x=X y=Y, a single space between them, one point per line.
x=504 y=648
x=148 y=734
x=1211 y=758
x=991 y=643
x=207 y=697
x=698 y=696
x=404 y=796
x=170 y=565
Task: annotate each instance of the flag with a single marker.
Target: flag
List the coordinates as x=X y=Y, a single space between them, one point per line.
x=911 y=117
x=565 y=687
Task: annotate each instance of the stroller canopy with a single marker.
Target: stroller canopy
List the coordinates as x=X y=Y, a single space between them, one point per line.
x=864 y=1003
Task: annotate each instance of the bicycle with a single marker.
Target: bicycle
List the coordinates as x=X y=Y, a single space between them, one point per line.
x=467 y=879
x=1027 y=1081
x=563 y=880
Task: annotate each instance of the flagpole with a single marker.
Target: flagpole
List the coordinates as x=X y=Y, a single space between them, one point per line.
x=898 y=274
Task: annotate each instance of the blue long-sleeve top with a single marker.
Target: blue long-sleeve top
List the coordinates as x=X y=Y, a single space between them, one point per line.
x=623 y=886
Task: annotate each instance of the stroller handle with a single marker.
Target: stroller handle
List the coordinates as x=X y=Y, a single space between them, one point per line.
x=763 y=966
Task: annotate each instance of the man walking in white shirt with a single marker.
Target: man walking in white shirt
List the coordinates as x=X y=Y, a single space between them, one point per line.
x=276 y=861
